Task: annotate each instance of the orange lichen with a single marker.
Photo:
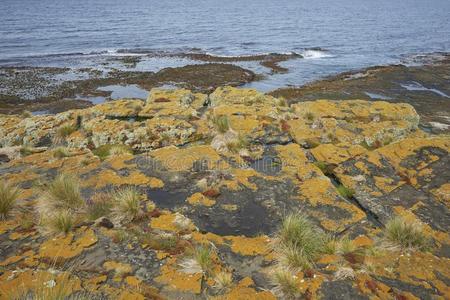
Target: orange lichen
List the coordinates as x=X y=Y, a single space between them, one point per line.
x=69 y=246
x=200 y=199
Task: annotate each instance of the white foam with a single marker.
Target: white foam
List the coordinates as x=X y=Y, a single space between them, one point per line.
x=315 y=54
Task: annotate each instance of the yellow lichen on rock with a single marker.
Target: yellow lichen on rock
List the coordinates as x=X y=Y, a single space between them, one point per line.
x=177 y=280
x=69 y=246
x=176 y=159
x=249 y=245
x=109 y=177
x=200 y=199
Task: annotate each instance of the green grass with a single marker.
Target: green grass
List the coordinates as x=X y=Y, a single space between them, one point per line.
x=221 y=123
x=324 y=167
x=127 y=202
x=8 y=198
x=203 y=256
x=63 y=193
x=344 y=191
x=406 y=234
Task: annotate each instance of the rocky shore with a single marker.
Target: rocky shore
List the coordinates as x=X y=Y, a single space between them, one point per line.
x=190 y=195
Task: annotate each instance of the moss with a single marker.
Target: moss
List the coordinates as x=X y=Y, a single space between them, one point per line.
x=326 y=169
x=345 y=192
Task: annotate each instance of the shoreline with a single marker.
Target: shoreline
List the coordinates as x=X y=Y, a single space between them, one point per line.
x=52 y=89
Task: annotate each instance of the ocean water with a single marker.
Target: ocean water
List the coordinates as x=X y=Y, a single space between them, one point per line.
x=333 y=36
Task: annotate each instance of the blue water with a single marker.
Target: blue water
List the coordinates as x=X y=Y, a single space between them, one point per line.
x=354 y=33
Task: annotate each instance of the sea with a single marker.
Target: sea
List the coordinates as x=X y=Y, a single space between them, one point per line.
x=332 y=36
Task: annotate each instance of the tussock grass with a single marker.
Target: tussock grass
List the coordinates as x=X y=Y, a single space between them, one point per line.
x=8 y=197
x=200 y=259
x=159 y=242
x=298 y=235
x=62 y=221
x=119 y=150
x=59 y=204
x=26 y=150
x=43 y=289
x=105 y=151
x=223 y=281
x=286 y=286
x=120 y=236
x=61 y=152
x=63 y=193
x=203 y=256
x=65 y=130
x=406 y=234
x=127 y=203
x=309 y=116
x=294 y=257
x=26 y=114
x=346 y=245
x=221 y=123
x=241 y=143
x=99 y=206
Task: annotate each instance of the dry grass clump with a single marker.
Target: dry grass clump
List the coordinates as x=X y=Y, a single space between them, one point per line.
x=59 y=204
x=127 y=203
x=64 y=193
x=405 y=234
x=221 y=123
x=8 y=198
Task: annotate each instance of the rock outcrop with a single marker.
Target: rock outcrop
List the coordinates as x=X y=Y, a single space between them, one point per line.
x=223 y=170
